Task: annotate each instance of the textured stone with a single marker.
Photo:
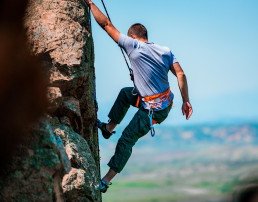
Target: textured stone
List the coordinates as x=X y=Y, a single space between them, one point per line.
x=81 y=158
x=77 y=183
x=36 y=163
x=63 y=155
x=61 y=29
x=71 y=109
x=55 y=99
x=64 y=142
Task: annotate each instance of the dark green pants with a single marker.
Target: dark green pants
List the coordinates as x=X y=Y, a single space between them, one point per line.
x=137 y=128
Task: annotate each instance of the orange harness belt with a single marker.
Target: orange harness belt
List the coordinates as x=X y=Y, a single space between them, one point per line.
x=163 y=97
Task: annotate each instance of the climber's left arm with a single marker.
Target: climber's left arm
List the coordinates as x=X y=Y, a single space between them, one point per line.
x=103 y=21
x=183 y=86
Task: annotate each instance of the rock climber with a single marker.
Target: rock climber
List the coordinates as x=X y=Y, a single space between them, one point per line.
x=151 y=94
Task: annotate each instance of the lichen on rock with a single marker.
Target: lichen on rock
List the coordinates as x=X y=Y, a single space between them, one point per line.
x=37 y=165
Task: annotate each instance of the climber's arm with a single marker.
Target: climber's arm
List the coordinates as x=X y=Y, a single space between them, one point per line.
x=182 y=83
x=103 y=21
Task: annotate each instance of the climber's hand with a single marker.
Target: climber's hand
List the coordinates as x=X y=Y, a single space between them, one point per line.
x=103 y=21
x=88 y=2
x=187 y=109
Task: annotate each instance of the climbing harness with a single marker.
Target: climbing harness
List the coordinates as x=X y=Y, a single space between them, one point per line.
x=154 y=101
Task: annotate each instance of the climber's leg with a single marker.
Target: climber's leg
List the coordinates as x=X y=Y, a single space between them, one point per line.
x=138 y=127
x=111 y=126
x=118 y=111
x=109 y=176
x=121 y=106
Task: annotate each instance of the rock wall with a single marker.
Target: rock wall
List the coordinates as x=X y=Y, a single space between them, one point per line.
x=59 y=161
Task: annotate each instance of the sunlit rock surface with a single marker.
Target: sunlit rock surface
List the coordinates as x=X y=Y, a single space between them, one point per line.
x=59 y=160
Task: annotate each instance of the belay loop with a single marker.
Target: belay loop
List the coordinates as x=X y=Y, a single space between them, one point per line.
x=151 y=124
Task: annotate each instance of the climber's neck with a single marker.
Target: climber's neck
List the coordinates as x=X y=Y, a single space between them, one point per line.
x=139 y=39
x=144 y=40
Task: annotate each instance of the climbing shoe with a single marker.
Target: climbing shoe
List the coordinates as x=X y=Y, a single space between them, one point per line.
x=102 y=126
x=103 y=186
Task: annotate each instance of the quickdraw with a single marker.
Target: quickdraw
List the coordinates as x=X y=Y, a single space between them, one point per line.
x=151 y=122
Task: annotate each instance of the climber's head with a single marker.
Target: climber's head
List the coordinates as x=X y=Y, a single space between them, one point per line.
x=138 y=31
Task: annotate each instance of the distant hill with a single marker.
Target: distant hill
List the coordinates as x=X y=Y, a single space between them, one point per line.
x=195 y=137
x=183 y=164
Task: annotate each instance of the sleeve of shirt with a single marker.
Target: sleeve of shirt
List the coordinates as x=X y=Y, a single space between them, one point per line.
x=127 y=43
x=173 y=59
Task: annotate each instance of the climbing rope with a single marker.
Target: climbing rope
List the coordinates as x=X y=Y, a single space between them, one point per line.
x=132 y=78
x=130 y=69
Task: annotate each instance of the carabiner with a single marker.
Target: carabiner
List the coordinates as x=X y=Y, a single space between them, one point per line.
x=151 y=125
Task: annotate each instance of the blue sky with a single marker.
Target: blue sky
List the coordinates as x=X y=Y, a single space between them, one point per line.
x=215 y=42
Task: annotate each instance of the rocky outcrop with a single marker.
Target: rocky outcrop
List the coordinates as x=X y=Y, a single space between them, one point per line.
x=37 y=169
x=82 y=180
x=59 y=160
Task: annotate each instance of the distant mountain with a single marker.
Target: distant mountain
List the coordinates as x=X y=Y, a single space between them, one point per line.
x=236 y=134
x=194 y=137
x=194 y=163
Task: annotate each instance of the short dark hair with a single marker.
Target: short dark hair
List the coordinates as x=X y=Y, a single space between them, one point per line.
x=138 y=30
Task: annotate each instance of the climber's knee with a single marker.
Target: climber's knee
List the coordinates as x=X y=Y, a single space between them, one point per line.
x=124 y=92
x=128 y=139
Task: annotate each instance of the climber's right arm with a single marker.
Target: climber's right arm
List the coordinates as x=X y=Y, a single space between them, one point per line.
x=103 y=21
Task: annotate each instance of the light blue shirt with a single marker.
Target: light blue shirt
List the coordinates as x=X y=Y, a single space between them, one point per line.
x=151 y=64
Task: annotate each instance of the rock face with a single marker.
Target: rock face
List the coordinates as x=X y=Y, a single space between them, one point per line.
x=82 y=180
x=59 y=160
